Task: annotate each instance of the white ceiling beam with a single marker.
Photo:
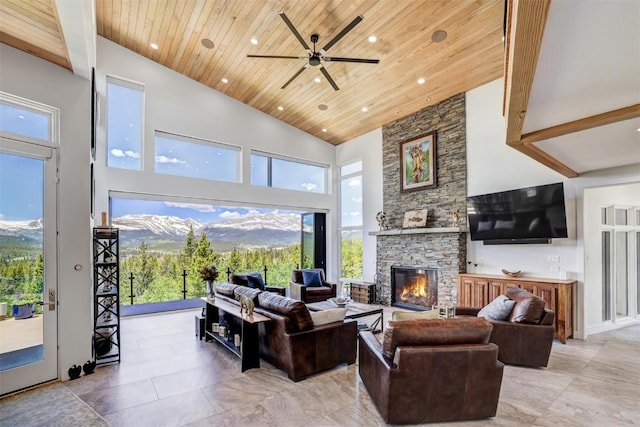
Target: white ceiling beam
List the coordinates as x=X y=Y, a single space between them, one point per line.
x=77 y=21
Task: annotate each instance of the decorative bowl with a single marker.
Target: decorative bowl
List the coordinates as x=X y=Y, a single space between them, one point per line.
x=511 y=273
x=340 y=301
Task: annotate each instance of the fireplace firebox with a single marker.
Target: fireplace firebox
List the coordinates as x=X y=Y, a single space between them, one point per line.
x=415 y=288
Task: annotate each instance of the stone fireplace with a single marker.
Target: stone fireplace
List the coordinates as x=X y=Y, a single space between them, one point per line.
x=414 y=287
x=442 y=244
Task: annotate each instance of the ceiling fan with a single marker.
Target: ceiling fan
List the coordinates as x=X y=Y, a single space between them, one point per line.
x=317 y=58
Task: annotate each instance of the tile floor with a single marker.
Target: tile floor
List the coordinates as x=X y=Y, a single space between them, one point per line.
x=170 y=378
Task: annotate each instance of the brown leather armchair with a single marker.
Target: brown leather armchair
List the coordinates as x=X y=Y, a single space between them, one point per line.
x=298 y=290
x=432 y=370
x=526 y=337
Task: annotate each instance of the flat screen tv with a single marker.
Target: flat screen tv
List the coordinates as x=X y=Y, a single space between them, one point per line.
x=526 y=215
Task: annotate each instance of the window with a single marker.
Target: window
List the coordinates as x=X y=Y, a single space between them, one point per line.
x=195 y=158
x=351 y=220
x=124 y=123
x=26 y=118
x=270 y=171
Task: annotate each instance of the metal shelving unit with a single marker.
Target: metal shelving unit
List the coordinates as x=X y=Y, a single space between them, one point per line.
x=106 y=295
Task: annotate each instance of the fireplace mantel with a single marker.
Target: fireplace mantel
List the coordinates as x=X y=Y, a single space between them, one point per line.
x=400 y=231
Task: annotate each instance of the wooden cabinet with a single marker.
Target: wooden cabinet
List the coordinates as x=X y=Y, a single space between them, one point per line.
x=476 y=290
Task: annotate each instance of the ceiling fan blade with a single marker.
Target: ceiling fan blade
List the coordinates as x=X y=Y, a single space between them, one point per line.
x=277 y=56
x=294 y=31
x=294 y=76
x=361 y=60
x=325 y=73
x=342 y=33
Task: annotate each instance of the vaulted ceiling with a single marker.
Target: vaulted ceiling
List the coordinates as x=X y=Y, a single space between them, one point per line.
x=556 y=88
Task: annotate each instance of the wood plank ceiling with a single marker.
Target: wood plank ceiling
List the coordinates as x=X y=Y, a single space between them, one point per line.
x=471 y=55
x=33 y=26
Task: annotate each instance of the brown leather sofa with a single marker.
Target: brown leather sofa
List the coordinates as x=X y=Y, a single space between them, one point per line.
x=291 y=341
x=253 y=280
x=432 y=370
x=298 y=290
x=526 y=337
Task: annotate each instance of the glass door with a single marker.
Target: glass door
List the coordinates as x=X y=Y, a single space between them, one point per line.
x=28 y=286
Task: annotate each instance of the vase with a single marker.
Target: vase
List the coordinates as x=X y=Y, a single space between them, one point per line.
x=210 y=289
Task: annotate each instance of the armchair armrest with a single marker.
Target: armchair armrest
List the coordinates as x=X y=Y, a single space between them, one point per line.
x=334 y=288
x=297 y=291
x=467 y=311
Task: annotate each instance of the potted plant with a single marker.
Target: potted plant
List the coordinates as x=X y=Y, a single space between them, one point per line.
x=209 y=275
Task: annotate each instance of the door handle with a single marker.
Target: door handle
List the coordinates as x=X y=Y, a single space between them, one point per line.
x=52 y=300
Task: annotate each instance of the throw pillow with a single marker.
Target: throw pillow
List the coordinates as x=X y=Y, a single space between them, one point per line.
x=410 y=315
x=255 y=281
x=498 y=309
x=311 y=278
x=328 y=316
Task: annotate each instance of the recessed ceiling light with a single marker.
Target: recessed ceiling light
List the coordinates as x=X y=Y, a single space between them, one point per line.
x=224 y=80
x=254 y=41
x=280 y=108
x=365 y=109
x=438 y=36
x=428 y=98
x=154 y=46
x=372 y=39
x=636 y=129
x=322 y=107
x=421 y=81
x=324 y=129
x=317 y=80
x=207 y=43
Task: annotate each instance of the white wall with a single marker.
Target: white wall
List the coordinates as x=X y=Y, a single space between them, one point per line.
x=179 y=105
x=493 y=166
x=32 y=78
x=368 y=148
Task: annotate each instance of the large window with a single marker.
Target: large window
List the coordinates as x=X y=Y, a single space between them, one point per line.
x=124 y=123
x=270 y=171
x=351 y=220
x=190 y=157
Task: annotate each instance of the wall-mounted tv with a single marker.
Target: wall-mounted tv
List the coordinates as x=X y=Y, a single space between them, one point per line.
x=526 y=215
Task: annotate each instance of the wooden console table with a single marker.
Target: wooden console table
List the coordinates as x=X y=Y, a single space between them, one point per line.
x=478 y=290
x=239 y=323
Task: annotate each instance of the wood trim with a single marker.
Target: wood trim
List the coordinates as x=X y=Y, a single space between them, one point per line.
x=34 y=50
x=527 y=20
x=626 y=113
x=545 y=158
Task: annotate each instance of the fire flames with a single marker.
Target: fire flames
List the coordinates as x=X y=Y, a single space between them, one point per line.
x=414 y=290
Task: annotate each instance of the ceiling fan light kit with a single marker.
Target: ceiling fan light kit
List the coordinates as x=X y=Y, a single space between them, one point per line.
x=317 y=58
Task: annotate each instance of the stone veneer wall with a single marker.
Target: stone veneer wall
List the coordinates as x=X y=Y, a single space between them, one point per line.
x=445 y=251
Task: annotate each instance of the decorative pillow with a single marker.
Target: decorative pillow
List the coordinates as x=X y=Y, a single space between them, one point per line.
x=411 y=315
x=328 y=316
x=528 y=309
x=498 y=309
x=311 y=278
x=255 y=281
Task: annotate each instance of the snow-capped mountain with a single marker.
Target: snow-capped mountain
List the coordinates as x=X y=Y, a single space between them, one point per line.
x=161 y=225
x=14 y=228
x=257 y=221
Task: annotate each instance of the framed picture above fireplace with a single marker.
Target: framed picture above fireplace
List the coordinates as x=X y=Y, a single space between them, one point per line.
x=418 y=163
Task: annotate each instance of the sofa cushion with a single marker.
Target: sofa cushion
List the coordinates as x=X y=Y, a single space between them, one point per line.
x=226 y=289
x=328 y=316
x=411 y=315
x=311 y=278
x=295 y=310
x=431 y=332
x=248 y=292
x=255 y=281
x=528 y=308
x=498 y=309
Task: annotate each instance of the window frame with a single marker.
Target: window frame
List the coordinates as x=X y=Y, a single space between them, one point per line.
x=271 y=156
x=199 y=141
x=52 y=113
x=133 y=85
x=349 y=228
